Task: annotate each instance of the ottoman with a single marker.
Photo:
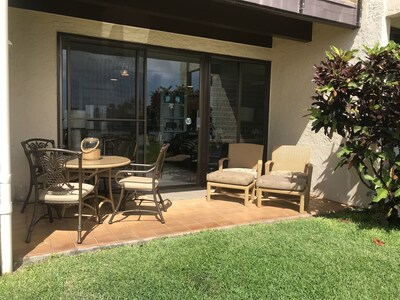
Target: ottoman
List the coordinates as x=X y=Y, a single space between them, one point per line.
x=232 y=180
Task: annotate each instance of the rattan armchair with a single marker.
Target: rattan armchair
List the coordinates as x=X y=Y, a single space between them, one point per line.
x=289 y=172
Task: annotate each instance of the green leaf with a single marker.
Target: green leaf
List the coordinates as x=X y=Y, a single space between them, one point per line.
x=397 y=193
x=369 y=177
x=344 y=151
x=381 y=193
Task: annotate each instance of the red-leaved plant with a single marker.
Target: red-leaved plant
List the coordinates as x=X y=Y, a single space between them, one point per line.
x=359 y=98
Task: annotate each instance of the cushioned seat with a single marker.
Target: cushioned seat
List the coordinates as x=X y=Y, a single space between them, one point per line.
x=231 y=177
x=242 y=170
x=281 y=182
x=138 y=183
x=232 y=180
x=237 y=171
x=65 y=192
x=289 y=172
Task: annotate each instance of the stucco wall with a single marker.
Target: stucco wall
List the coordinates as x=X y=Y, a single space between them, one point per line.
x=33 y=83
x=291 y=90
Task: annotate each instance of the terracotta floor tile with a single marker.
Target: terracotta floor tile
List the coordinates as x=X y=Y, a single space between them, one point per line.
x=183 y=216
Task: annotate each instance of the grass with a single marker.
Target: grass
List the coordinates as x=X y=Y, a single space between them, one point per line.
x=314 y=258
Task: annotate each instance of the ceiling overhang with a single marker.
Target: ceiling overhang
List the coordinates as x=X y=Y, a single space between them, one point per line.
x=204 y=18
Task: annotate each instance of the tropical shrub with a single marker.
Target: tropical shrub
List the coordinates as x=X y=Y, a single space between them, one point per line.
x=359 y=99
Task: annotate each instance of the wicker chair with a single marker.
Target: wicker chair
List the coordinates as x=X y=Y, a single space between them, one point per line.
x=133 y=185
x=238 y=171
x=58 y=189
x=289 y=172
x=34 y=167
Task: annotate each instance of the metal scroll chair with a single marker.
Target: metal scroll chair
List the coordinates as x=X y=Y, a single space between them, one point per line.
x=119 y=146
x=131 y=184
x=289 y=172
x=58 y=189
x=34 y=167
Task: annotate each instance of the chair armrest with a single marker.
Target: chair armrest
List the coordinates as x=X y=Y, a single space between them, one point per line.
x=221 y=163
x=268 y=166
x=140 y=165
x=125 y=173
x=308 y=171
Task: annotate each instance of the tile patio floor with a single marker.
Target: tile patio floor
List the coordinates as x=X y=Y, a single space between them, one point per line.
x=190 y=212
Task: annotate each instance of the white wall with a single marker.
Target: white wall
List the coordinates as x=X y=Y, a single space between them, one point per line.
x=33 y=82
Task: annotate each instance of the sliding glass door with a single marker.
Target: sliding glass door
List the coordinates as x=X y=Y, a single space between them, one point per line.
x=152 y=96
x=99 y=93
x=238 y=106
x=173 y=116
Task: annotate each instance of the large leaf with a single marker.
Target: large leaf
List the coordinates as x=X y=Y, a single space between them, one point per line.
x=381 y=193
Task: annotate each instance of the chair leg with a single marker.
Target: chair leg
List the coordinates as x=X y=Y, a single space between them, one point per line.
x=50 y=213
x=96 y=207
x=246 y=196
x=33 y=221
x=259 y=197
x=157 y=203
x=302 y=204
x=79 y=241
x=307 y=200
x=121 y=198
x=208 y=191
x=27 y=196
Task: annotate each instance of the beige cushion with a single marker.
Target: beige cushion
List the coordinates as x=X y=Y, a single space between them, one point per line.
x=231 y=177
x=281 y=182
x=245 y=170
x=65 y=194
x=138 y=183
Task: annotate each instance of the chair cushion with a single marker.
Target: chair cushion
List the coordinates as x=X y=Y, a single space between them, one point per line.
x=64 y=194
x=281 y=182
x=138 y=183
x=231 y=177
x=245 y=170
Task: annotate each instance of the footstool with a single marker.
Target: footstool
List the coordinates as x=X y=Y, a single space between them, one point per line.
x=232 y=180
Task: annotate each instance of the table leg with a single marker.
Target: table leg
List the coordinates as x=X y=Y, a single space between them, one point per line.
x=111 y=198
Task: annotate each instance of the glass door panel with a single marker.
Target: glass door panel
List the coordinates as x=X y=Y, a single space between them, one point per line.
x=173 y=114
x=252 y=104
x=238 y=106
x=99 y=92
x=224 y=99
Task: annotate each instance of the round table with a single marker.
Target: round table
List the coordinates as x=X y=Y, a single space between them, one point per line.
x=104 y=164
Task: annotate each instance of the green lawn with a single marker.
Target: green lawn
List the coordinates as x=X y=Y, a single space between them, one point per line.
x=314 y=258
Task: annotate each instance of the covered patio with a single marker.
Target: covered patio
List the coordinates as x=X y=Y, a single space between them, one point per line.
x=290 y=37
x=190 y=212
